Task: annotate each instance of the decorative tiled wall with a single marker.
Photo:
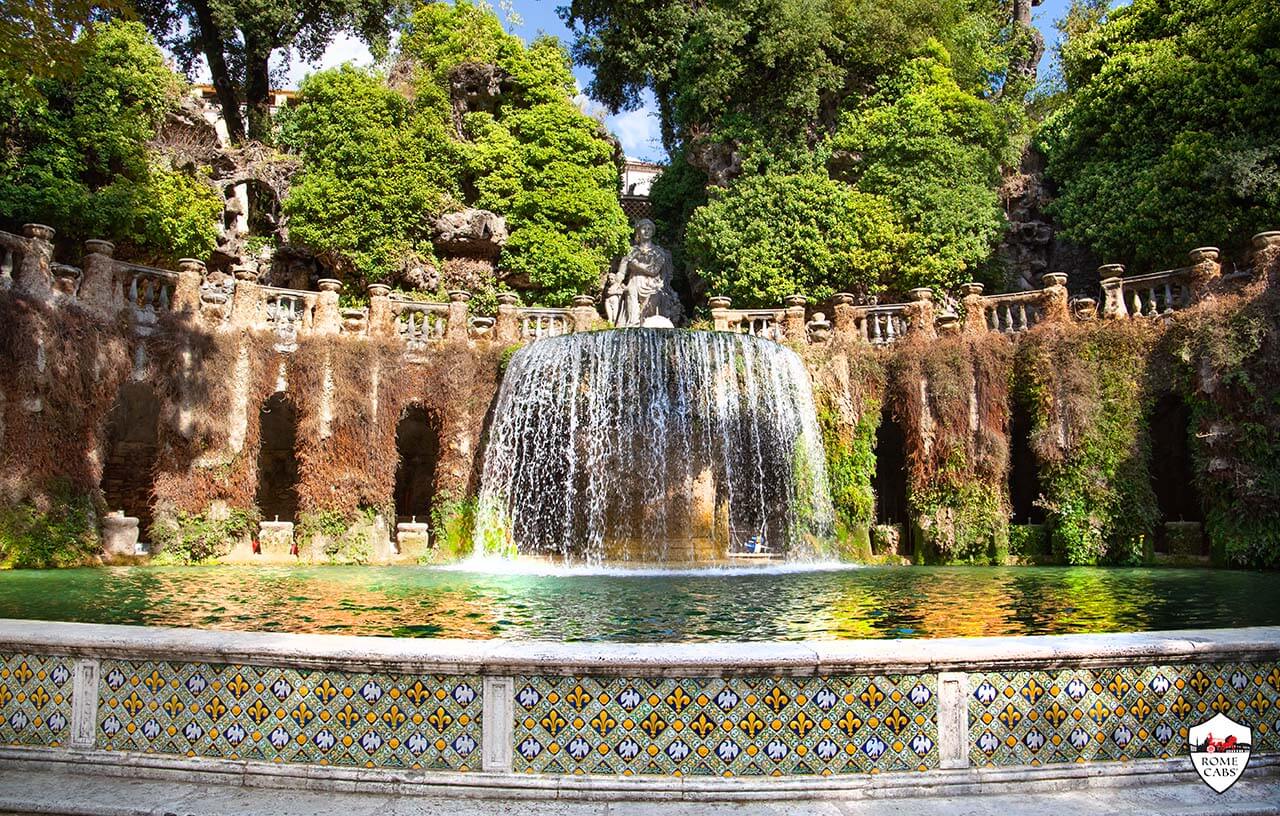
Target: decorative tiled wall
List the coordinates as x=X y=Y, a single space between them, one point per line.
x=35 y=700
x=285 y=715
x=1084 y=715
x=725 y=727
x=735 y=726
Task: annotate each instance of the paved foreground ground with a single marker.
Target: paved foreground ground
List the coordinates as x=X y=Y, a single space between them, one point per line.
x=26 y=792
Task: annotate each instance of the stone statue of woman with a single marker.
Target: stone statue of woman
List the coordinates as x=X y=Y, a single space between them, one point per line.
x=641 y=284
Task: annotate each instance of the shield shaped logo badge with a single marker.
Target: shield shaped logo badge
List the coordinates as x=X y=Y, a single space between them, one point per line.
x=1220 y=749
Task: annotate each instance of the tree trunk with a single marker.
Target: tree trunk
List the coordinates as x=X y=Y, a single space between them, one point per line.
x=211 y=39
x=257 y=89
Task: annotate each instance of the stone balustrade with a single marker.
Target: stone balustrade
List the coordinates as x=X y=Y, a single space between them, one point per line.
x=218 y=300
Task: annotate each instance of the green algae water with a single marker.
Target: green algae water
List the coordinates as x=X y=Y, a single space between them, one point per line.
x=785 y=603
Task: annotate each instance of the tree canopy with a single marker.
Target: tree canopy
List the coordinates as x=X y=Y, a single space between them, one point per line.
x=380 y=162
x=78 y=156
x=1165 y=135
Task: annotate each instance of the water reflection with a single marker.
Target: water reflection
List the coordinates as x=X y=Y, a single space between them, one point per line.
x=818 y=605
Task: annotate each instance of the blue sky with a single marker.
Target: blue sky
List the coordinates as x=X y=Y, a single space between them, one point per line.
x=637 y=130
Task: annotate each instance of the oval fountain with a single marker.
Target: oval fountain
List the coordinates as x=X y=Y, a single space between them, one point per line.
x=653 y=445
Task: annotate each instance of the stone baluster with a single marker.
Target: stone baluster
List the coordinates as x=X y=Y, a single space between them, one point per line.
x=1266 y=257
x=1111 y=277
x=382 y=321
x=328 y=319
x=186 y=295
x=793 y=325
x=458 y=328
x=1053 y=303
x=843 y=316
x=584 y=313
x=720 y=312
x=507 y=326
x=246 y=304
x=98 y=289
x=919 y=313
x=35 y=278
x=1203 y=274
x=975 y=313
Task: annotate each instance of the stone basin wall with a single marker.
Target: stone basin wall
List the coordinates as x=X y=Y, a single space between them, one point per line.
x=215 y=346
x=655 y=719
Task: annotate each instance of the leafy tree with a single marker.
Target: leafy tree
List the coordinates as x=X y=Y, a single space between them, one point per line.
x=769 y=236
x=47 y=39
x=1165 y=136
x=375 y=167
x=934 y=151
x=381 y=163
x=78 y=157
x=237 y=39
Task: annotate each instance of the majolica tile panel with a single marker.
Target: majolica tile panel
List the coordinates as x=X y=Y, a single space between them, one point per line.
x=1084 y=715
x=35 y=700
x=725 y=727
x=287 y=715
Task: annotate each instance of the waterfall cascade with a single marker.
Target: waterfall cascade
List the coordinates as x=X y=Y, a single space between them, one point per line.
x=651 y=445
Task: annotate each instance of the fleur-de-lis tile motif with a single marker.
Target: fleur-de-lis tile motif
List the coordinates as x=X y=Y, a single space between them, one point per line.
x=577 y=698
x=1140 y=709
x=39 y=697
x=1199 y=681
x=653 y=725
x=394 y=717
x=23 y=673
x=1099 y=713
x=871 y=697
x=1032 y=691
x=418 y=693
x=702 y=725
x=1259 y=703
x=174 y=705
x=347 y=715
x=553 y=722
x=1118 y=686
x=1010 y=716
x=325 y=691
x=1180 y=706
x=133 y=703
x=849 y=723
x=800 y=724
x=154 y=682
x=215 y=708
x=678 y=699
x=776 y=700
x=602 y=723
x=751 y=724
x=440 y=719
x=1055 y=714
x=302 y=715
x=896 y=720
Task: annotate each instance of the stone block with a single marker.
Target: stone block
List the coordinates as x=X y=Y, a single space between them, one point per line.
x=119 y=534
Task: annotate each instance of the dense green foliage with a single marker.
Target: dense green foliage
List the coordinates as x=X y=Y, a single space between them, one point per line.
x=376 y=166
x=1238 y=473
x=1166 y=135
x=199 y=538
x=63 y=535
x=864 y=124
x=78 y=156
x=1086 y=388
x=379 y=163
x=775 y=235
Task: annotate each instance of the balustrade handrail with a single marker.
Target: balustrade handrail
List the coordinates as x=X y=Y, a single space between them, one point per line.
x=544 y=311
x=306 y=294
x=1148 y=277
x=401 y=304
x=13 y=243
x=152 y=271
x=1028 y=296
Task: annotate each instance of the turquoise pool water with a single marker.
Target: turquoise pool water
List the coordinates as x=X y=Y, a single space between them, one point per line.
x=769 y=604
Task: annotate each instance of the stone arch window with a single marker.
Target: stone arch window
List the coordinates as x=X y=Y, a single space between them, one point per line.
x=131 y=436
x=1024 y=472
x=1171 y=470
x=418 y=447
x=277 y=494
x=890 y=479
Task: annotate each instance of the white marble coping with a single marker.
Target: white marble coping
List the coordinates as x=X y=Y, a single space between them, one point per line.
x=507 y=657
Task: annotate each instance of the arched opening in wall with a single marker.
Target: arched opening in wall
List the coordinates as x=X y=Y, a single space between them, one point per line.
x=1171 y=472
x=890 y=479
x=264 y=208
x=1024 y=475
x=277 y=495
x=418 y=446
x=131 y=445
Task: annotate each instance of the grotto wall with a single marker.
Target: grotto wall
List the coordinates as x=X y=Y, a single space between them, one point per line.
x=215 y=346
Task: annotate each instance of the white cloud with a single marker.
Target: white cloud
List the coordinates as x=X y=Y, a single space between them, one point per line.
x=639 y=132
